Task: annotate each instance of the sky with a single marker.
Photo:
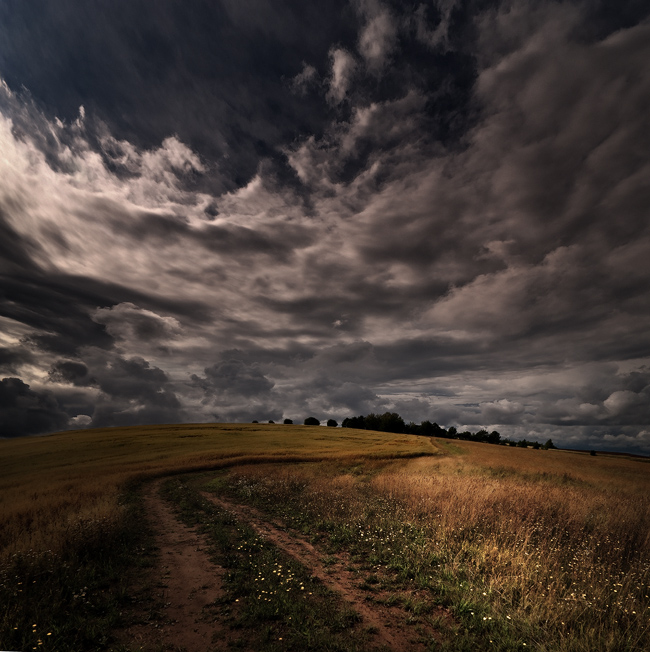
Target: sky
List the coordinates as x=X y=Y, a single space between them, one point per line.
x=229 y=210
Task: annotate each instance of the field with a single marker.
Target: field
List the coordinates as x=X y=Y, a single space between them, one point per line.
x=327 y=539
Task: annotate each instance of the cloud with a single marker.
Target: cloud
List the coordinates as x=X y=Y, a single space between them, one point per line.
x=128 y=322
x=343 y=67
x=75 y=373
x=378 y=37
x=304 y=79
x=12 y=358
x=233 y=377
x=502 y=411
x=24 y=411
x=438 y=36
x=438 y=210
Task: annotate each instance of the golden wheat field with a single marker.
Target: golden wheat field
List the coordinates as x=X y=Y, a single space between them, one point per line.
x=549 y=550
x=52 y=486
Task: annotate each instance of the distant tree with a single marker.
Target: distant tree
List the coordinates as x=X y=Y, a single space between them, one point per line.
x=254 y=421
x=426 y=429
x=452 y=432
x=354 y=422
x=312 y=421
x=592 y=453
x=271 y=421
x=387 y=422
x=288 y=422
x=494 y=437
x=412 y=428
x=332 y=423
x=548 y=445
x=481 y=435
x=536 y=445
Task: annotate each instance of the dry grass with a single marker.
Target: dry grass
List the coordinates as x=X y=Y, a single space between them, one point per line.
x=71 y=527
x=547 y=548
x=551 y=546
x=57 y=489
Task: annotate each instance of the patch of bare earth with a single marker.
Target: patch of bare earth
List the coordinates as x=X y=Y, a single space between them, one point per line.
x=389 y=623
x=185 y=586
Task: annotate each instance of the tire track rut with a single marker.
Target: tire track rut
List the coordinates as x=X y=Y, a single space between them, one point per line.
x=388 y=623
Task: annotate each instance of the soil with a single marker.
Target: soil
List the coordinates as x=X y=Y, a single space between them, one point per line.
x=388 y=623
x=186 y=584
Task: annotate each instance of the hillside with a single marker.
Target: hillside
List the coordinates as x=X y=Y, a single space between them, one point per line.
x=459 y=545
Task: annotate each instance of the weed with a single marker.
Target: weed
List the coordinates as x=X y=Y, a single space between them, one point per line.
x=518 y=558
x=273 y=598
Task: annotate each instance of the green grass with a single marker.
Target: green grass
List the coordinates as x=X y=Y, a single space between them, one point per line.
x=72 y=600
x=70 y=531
x=546 y=548
x=521 y=564
x=270 y=600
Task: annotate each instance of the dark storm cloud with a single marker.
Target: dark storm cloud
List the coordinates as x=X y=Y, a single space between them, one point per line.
x=16 y=251
x=233 y=376
x=75 y=373
x=60 y=309
x=145 y=72
x=263 y=209
x=120 y=391
x=11 y=358
x=24 y=411
x=277 y=242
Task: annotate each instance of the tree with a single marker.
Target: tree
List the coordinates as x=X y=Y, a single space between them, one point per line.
x=548 y=445
x=354 y=422
x=452 y=432
x=494 y=437
x=255 y=421
x=332 y=423
x=271 y=421
x=288 y=422
x=387 y=422
x=312 y=421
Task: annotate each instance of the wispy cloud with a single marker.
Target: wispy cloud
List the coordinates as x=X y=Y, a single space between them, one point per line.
x=464 y=241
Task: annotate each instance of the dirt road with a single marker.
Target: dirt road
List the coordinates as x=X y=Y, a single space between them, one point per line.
x=187 y=583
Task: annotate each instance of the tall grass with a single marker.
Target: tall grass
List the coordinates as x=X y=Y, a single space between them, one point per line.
x=558 y=559
x=68 y=525
x=53 y=487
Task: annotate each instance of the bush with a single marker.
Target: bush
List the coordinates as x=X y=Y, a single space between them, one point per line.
x=288 y=422
x=332 y=423
x=312 y=421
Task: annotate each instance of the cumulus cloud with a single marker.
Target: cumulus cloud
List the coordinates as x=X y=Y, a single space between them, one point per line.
x=128 y=322
x=24 y=411
x=453 y=224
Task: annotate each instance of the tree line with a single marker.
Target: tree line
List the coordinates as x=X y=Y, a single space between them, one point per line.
x=393 y=422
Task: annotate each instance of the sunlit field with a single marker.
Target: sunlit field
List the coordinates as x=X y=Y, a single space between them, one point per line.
x=70 y=522
x=53 y=487
x=543 y=550
x=525 y=549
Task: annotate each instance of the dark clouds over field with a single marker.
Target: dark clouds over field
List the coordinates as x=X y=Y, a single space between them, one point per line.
x=226 y=211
